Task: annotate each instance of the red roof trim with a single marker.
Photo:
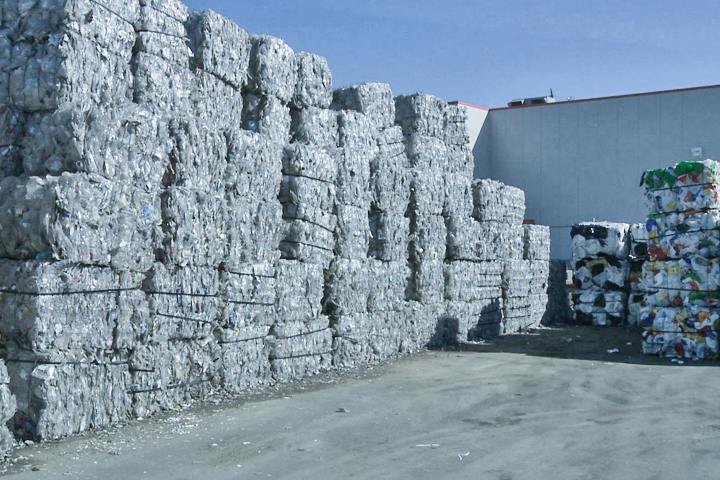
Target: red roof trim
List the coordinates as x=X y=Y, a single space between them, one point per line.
x=459 y=102
x=609 y=98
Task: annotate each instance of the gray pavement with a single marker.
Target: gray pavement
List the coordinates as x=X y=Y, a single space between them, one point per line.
x=554 y=405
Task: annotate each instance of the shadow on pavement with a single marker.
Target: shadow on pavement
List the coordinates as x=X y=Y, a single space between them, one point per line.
x=578 y=342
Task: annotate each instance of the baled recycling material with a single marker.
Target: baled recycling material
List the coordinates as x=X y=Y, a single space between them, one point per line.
x=186 y=207
x=590 y=239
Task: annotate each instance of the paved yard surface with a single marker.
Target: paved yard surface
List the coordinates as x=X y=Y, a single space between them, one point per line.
x=551 y=405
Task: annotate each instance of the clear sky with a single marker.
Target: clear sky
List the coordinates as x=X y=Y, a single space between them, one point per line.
x=490 y=52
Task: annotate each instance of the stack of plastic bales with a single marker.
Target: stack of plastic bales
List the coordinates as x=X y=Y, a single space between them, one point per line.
x=8 y=407
x=601 y=272
x=499 y=210
x=473 y=278
x=365 y=289
x=300 y=341
x=638 y=256
x=83 y=167
x=536 y=256
x=422 y=118
x=682 y=275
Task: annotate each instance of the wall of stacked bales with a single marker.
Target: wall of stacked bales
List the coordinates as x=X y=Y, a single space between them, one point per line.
x=186 y=207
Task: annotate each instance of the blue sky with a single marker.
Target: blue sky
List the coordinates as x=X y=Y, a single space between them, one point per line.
x=489 y=53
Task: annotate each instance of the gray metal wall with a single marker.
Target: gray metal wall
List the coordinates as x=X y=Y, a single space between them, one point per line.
x=583 y=160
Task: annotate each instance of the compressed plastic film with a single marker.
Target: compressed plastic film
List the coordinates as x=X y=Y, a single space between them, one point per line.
x=314 y=81
x=8 y=407
x=272 y=69
x=254 y=231
x=458 y=196
x=389 y=238
x=421 y=113
x=387 y=282
x=428 y=240
x=214 y=101
x=685 y=282
x=471 y=281
x=353 y=179
x=373 y=99
x=347 y=287
x=244 y=362
x=311 y=162
x=352 y=233
x=220 y=47
x=536 y=242
x=600 y=307
x=160 y=84
x=254 y=166
x=427 y=193
x=456 y=131
x=495 y=201
x=314 y=126
x=638 y=241
x=198 y=158
x=427 y=284
x=300 y=289
x=268 y=116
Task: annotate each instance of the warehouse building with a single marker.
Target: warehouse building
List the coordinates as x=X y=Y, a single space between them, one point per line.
x=581 y=160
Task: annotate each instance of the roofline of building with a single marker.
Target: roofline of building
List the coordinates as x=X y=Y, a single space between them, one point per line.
x=465 y=104
x=679 y=90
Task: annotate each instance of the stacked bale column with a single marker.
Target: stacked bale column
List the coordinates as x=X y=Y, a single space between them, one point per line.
x=366 y=286
x=682 y=274
x=601 y=271
x=536 y=256
x=422 y=118
x=473 y=294
x=300 y=341
x=8 y=407
x=499 y=210
x=83 y=167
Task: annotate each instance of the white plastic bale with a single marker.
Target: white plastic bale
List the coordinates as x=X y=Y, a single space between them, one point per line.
x=168 y=374
x=292 y=340
x=12 y=123
x=161 y=85
x=427 y=193
x=536 y=242
x=483 y=241
x=6 y=47
x=238 y=315
x=472 y=321
x=299 y=190
x=8 y=407
x=372 y=99
x=58 y=307
x=153 y=20
x=388 y=281
x=254 y=231
x=195 y=227
x=362 y=339
x=456 y=130
x=314 y=82
x=427 y=284
x=458 y=196
x=427 y=153
x=107 y=23
x=249 y=284
x=470 y=281
x=428 y=238
x=220 y=47
x=352 y=233
x=461 y=160
x=310 y=161
x=170 y=48
x=198 y=158
x=306 y=253
x=272 y=69
x=495 y=201
x=81 y=218
x=300 y=289
x=357 y=132
x=353 y=178
x=254 y=166
x=10 y=161
x=244 y=361
x=130 y=145
x=312 y=214
x=215 y=101
x=421 y=113
x=347 y=287
x=268 y=116
x=390 y=236
x=306 y=233
x=390 y=143
x=315 y=126
x=390 y=184
x=55 y=400
x=66 y=68
x=172 y=8
x=294 y=368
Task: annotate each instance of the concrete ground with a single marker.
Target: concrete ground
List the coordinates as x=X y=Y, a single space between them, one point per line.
x=551 y=405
